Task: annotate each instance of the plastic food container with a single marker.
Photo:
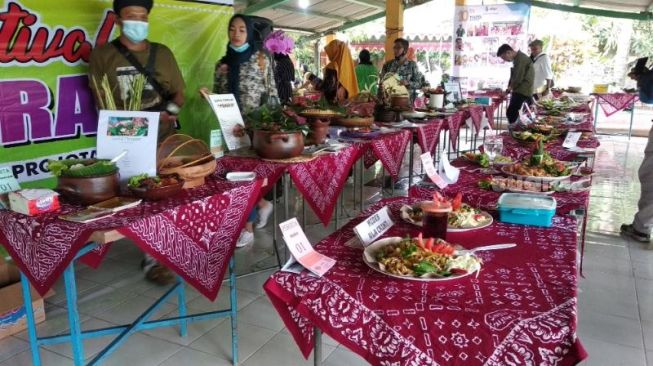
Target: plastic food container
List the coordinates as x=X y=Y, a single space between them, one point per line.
x=526 y=209
x=483 y=100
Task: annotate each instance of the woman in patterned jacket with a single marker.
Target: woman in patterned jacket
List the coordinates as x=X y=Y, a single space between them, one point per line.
x=246 y=72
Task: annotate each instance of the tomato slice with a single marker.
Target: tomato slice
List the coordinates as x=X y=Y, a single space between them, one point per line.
x=458 y=271
x=457 y=201
x=420 y=241
x=429 y=244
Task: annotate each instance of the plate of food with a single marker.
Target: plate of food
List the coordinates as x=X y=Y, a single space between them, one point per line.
x=540 y=166
x=462 y=217
x=155 y=188
x=500 y=184
x=419 y=259
x=528 y=136
x=483 y=159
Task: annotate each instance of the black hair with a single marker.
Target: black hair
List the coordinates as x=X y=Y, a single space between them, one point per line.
x=403 y=42
x=364 y=57
x=503 y=49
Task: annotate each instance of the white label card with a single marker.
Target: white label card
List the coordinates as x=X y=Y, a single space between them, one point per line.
x=572 y=139
x=226 y=110
x=8 y=182
x=431 y=172
x=448 y=172
x=374 y=226
x=302 y=250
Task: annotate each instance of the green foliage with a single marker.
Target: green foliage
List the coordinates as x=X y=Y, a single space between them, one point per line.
x=642 y=42
x=275 y=118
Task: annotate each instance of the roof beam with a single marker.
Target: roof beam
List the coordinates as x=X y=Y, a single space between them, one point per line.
x=262 y=5
x=370 y=3
x=312 y=13
x=588 y=11
x=347 y=25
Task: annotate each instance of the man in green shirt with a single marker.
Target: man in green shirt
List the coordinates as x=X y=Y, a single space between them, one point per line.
x=164 y=93
x=522 y=76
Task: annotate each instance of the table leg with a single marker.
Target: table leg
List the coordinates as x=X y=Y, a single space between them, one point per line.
x=317 y=346
x=361 y=165
x=286 y=200
x=632 y=116
x=73 y=315
x=233 y=299
x=31 y=324
x=411 y=154
x=181 y=306
x=596 y=112
x=275 y=225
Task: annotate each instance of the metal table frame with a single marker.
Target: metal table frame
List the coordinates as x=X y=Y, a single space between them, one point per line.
x=632 y=114
x=76 y=336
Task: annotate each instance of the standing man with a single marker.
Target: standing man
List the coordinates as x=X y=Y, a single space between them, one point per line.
x=132 y=54
x=520 y=86
x=407 y=70
x=543 y=72
x=640 y=229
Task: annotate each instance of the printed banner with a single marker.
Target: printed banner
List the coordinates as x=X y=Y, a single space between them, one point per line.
x=479 y=30
x=46 y=107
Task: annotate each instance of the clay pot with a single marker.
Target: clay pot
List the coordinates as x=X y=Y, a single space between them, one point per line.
x=319 y=129
x=400 y=102
x=278 y=145
x=89 y=190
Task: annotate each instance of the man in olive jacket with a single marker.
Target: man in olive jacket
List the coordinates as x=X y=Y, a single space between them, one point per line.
x=522 y=76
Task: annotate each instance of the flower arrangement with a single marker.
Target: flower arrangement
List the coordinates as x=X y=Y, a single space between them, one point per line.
x=279 y=42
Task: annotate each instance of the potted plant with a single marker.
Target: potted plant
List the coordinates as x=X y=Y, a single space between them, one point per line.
x=319 y=114
x=436 y=97
x=278 y=133
x=358 y=114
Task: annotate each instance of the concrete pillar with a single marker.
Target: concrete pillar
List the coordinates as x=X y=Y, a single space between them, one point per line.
x=394 y=25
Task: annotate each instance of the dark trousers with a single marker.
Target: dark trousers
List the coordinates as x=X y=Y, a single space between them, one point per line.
x=516 y=102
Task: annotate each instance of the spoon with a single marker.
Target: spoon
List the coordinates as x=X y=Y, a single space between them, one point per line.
x=488 y=248
x=120 y=156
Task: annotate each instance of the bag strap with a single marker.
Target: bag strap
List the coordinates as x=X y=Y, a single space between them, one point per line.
x=148 y=70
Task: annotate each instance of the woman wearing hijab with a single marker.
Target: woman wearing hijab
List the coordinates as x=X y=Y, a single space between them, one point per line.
x=246 y=73
x=366 y=73
x=339 y=82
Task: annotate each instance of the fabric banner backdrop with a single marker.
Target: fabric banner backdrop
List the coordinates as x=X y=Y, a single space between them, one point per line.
x=46 y=108
x=479 y=30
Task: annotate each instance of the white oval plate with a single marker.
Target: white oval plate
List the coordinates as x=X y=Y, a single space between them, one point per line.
x=533 y=178
x=369 y=257
x=405 y=209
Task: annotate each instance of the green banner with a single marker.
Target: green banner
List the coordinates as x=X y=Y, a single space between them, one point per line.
x=46 y=108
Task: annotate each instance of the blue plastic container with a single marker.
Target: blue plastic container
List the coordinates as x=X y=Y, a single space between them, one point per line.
x=526 y=209
x=483 y=100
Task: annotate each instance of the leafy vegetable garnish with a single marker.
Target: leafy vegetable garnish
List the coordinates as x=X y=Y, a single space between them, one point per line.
x=136 y=180
x=485 y=184
x=408 y=251
x=423 y=268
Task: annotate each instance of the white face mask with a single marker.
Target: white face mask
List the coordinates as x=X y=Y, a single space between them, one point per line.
x=135 y=30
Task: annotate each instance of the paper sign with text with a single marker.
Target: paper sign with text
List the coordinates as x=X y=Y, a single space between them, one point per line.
x=302 y=249
x=431 y=172
x=226 y=109
x=374 y=226
x=8 y=182
x=572 y=139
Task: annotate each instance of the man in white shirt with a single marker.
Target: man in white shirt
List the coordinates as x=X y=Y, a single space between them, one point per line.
x=543 y=73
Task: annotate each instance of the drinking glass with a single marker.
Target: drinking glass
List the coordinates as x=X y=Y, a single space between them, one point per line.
x=493 y=147
x=435 y=219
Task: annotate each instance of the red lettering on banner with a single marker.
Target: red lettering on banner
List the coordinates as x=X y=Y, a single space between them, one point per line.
x=20 y=43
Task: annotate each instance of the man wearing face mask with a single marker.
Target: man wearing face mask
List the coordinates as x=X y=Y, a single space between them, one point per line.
x=407 y=70
x=132 y=54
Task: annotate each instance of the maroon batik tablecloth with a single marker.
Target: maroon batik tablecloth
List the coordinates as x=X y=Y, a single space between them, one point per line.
x=518 y=151
x=428 y=135
x=489 y=113
x=454 y=122
x=389 y=148
x=485 y=199
x=612 y=103
x=320 y=180
x=194 y=234
x=520 y=310
x=475 y=113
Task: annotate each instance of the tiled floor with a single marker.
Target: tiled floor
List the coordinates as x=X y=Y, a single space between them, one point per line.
x=615 y=297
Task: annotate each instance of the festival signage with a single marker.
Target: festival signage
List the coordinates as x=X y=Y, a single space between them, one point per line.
x=479 y=30
x=46 y=107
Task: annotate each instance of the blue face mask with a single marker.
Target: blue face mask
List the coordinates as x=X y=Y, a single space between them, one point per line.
x=135 y=30
x=242 y=48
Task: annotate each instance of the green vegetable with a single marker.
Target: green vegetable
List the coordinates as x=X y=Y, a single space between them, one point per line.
x=423 y=268
x=91 y=168
x=485 y=184
x=409 y=251
x=136 y=180
x=483 y=160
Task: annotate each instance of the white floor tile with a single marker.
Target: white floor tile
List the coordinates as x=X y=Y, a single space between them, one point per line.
x=83 y=287
x=343 y=356
x=622 y=302
x=11 y=346
x=254 y=283
x=91 y=346
x=191 y=357
x=218 y=341
x=130 y=309
x=609 y=354
x=243 y=299
x=47 y=359
x=261 y=313
x=194 y=330
x=142 y=350
x=282 y=350
x=97 y=302
x=56 y=321
x=647 y=326
x=158 y=291
x=108 y=272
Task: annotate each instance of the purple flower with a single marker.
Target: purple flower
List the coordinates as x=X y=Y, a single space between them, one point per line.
x=279 y=42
